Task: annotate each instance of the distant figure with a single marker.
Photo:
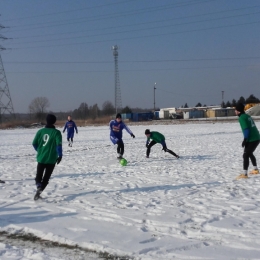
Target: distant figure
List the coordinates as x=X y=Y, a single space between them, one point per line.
x=116 y=134
x=70 y=126
x=250 y=142
x=156 y=138
x=2 y=181
x=48 y=144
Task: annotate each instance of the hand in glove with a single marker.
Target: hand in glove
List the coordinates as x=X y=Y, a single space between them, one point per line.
x=64 y=131
x=245 y=143
x=133 y=135
x=147 y=144
x=58 y=160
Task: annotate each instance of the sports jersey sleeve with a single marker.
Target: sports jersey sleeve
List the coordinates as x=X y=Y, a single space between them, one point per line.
x=76 y=127
x=65 y=127
x=127 y=129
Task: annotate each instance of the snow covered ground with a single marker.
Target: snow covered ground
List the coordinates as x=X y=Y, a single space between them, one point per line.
x=156 y=208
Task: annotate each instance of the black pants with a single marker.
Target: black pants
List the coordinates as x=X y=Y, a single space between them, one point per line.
x=152 y=143
x=248 y=153
x=120 y=147
x=42 y=178
x=70 y=139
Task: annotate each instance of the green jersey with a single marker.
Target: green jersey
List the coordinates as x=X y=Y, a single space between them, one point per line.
x=46 y=141
x=156 y=136
x=246 y=122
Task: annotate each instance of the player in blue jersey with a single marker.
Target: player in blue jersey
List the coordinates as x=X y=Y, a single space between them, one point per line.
x=71 y=127
x=116 y=134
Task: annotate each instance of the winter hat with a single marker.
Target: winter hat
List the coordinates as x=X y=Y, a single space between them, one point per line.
x=240 y=107
x=50 y=119
x=118 y=115
x=147 y=132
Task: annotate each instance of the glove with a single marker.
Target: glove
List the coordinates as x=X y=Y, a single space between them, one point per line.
x=58 y=160
x=147 y=144
x=245 y=143
x=64 y=131
x=133 y=135
x=76 y=132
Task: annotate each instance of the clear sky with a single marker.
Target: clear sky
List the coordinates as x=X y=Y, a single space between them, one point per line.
x=192 y=49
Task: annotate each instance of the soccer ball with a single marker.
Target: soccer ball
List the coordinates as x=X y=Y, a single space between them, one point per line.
x=123 y=162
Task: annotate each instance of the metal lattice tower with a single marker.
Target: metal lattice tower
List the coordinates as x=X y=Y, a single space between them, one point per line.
x=6 y=105
x=118 y=101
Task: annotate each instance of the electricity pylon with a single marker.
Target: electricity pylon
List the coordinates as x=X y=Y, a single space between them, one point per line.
x=6 y=104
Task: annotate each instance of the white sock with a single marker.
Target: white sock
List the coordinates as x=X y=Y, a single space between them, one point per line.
x=245 y=172
x=255 y=168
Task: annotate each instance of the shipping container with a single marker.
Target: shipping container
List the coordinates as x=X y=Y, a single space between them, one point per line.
x=156 y=115
x=186 y=115
x=210 y=113
x=142 y=116
x=197 y=114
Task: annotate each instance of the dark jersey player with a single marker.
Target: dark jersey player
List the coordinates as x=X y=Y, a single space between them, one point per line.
x=156 y=137
x=250 y=142
x=48 y=144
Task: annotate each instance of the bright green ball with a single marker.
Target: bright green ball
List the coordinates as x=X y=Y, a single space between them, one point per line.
x=123 y=162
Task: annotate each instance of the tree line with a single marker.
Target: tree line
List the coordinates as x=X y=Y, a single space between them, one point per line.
x=38 y=109
x=250 y=100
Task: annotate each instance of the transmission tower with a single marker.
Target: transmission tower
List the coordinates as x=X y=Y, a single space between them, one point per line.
x=6 y=105
x=118 y=101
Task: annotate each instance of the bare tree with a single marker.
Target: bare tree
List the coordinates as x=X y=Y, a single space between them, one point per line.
x=38 y=107
x=108 y=108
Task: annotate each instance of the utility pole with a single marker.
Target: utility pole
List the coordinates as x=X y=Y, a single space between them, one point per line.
x=222 y=98
x=154 y=88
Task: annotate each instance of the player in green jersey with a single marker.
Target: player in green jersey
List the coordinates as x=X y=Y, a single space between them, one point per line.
x=156 y=137
x=250 y=142
x=48 y=144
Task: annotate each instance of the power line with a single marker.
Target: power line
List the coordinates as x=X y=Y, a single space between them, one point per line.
x=133 y=61
x=69 y=11
x=133 y=70
x=139 y=37
x=116 y=15
x=144 y=29
x=138 y=24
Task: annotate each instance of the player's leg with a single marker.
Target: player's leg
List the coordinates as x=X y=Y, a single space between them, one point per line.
x=39 y=174
x=114 y=140
x=47 y=175
x=152 y=143
x=38 y=180
x=251 y=148
x=120 y=148
x=168 y=150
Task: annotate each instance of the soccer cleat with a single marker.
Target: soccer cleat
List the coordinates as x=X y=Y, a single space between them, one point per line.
x=256 y=171
x=241 y=176
x=119 y=157
x=38 y=193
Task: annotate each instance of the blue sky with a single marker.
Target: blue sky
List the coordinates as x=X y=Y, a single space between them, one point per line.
x=192 y=49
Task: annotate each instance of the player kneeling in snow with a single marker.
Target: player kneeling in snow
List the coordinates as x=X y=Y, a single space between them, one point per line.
x=48 y=144
x=156 y=138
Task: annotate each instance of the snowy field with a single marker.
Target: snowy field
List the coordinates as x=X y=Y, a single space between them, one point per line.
x=156 y=208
